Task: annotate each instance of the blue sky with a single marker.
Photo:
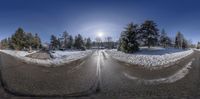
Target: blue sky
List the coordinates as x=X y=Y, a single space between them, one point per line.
x=88 y=17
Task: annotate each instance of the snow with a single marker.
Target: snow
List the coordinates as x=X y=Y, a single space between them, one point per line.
x=197 y=49
x=173 y=78
x=17 y=53
x=153 y=58
x=157 y=50
x=60 y=57
x=63 y=54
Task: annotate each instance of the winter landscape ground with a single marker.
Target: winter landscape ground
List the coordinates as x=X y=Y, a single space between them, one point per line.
x=99 y=49
x=152 y=58
x=58 y=57
x=111 y=71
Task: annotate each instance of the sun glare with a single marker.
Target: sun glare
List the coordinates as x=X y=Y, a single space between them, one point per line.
x=100 y=34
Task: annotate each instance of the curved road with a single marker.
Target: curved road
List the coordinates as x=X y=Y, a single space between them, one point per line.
x=98 y=77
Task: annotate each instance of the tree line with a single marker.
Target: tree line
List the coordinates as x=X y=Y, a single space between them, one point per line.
x=67 y=41
x=21 y=40
x=133 y=36
x=147 y=34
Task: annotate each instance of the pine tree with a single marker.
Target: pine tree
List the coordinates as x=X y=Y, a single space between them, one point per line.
x=65 y=39
x=70 y=42
x=185 y=44
x=164 y=39
x=19 y=39
x=119 y=44
x=88 y=43
x=9 y=42
x=4 y=43
x=128 y=39
x=79 y=44
x=198 y=45
x=37 y=42
x=149 y=33
x=179 y=40
x=54 y=42
x=29 y=41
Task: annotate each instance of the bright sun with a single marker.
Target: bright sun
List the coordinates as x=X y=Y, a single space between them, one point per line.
x=100 y=34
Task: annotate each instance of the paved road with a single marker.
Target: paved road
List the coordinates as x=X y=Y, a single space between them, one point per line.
x=98 y=77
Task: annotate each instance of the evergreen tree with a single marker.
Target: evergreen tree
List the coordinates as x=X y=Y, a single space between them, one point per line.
x=79 y=44
x=149 y=33
x=88 y=43
x=185 y=44
x=198 y=45
x=54 y=42
x=4 y=43
x=65 y=39
x=164 y=39
x=29 y=41
x=19 y=39
x=128 y=39
x=9 y=42
x=37 y=41
x=70 y=42
x=179 y=40
x=119 y=44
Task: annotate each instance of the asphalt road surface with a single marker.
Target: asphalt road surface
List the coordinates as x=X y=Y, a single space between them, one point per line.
x=97 y=77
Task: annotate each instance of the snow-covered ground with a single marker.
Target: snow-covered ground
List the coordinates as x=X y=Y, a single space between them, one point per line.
x=157 y=51
x=173 y=78
x=17 y=53
x=153 y=58
x=64 y=54
x=60 y=57
x=197 y=49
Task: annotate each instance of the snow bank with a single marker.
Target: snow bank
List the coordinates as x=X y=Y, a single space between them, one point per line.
x=64 y=54
x=149 y=59
x=157 y=50
x=197 y=49
x=17 y=53
x=173 y=78
x=60 y=57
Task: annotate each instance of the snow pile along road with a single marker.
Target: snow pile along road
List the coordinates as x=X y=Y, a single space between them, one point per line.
x=150 y=61
x=173 y=78
x=60 y=57
x=17 y=53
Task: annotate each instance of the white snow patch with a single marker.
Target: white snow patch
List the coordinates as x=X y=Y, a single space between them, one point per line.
x=197 y=49
x=173 y=78
x=151 y=59
x=17 y=53
x=60 y=57
x=64 y=54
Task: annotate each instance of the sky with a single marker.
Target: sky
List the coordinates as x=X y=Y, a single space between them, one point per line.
x=89 y=17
